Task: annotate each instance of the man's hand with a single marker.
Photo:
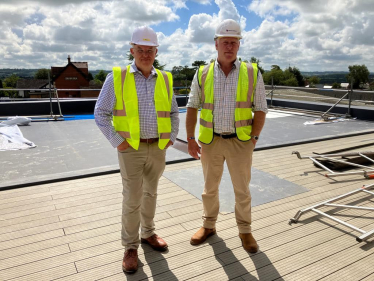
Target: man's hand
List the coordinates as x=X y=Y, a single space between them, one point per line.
x=123 y=146
x=169 y=144
x=194 y=149
x=253 y=141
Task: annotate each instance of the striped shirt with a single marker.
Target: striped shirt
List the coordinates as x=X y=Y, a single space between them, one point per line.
x=225 y=97
x=145 y=88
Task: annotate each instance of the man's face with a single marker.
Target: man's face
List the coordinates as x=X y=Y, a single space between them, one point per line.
x=144 y=55
x=227 y=48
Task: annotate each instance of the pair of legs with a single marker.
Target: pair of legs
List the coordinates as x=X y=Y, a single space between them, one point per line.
x=140 y=170
x=238 y=156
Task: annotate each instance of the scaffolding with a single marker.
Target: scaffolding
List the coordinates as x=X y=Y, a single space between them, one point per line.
x=328 y=114
x=367 y=172
x=53 y=96
x=329 y=203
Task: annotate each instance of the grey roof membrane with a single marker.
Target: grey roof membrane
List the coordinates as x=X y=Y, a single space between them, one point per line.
x=75 y=148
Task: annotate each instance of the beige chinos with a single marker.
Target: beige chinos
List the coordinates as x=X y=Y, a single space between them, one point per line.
x=140 y=170
x=238 y=156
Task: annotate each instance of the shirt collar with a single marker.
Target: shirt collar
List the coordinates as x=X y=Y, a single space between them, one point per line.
x=133 y=69
x=235 y=65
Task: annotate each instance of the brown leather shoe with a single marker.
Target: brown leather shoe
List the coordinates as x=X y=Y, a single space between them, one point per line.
x=156 y=242
x=248 y=242
x=130 y=261
x=201 y=235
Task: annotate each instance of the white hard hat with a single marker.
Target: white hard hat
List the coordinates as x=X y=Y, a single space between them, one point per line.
x=228 y=28
x=144 y=36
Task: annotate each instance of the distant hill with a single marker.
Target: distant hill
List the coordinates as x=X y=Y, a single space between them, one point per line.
x=29 y=73
x=94 y=72
x=20 y=72
x=330 y=77
x=327 y=77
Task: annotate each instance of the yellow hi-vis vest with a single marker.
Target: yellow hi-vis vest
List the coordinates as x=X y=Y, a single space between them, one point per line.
x=244 y=98
x=126 y=112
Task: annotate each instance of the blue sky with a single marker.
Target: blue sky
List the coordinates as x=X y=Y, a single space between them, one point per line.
x=313 y=35
x=252 y=20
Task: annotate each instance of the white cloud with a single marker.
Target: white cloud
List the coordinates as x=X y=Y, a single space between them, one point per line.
x=310 y=34
x=322 y=33
x=201 y=28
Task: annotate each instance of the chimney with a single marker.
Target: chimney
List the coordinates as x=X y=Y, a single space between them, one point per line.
x=68 y=59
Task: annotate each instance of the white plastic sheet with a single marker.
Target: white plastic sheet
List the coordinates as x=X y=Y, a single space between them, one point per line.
x=11 y=137
x=329 y=121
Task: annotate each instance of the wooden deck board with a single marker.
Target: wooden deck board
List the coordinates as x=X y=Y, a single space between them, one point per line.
x=71 y=230
x=50 y=274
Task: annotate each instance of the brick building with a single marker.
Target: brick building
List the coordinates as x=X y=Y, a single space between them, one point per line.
x=34 y=84
x=72 y=76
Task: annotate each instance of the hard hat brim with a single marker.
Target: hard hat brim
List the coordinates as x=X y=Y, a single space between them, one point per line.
x=144 y=43
x=227 y=35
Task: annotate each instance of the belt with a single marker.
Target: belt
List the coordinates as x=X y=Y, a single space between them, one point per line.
x=230 y=136
x=149 y=140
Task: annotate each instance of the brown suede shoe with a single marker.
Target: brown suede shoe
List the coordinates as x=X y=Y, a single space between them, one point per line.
x=130 y=261
x=248 y=242
x=156 y=242
x=201 y=235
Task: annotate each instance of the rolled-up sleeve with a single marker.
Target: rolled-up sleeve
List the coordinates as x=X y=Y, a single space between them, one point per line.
x=194 y=98
x=260 y=103
x=104 y=112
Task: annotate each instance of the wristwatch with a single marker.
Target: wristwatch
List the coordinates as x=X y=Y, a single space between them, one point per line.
x=190 y=138
x=255 y=137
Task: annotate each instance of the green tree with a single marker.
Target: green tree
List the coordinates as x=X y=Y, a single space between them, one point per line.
x=196 y=64
x=336 y=85
x=254 y=60
x=289 y=79
x=184 y=91
x=101 y=76
x=359 y=73
x=276 y=73
x=42 y=73
x=156 y=63
x=189 y=72
x=90 y=77
x=183 y=73
x=98 y=82
x=299 y=77
x=313 y=80
x=11 y=81
x=1 y=84
x=290 y=82
x=176 y=70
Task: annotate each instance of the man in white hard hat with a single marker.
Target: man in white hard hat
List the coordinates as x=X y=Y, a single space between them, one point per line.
x=138 y=114
x=227 y=91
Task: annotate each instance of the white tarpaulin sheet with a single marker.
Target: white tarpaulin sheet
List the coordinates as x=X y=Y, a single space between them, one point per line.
x=329 y=121
x=11 y=137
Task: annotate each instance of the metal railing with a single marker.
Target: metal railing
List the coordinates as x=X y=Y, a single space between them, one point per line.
x=52 y=91
x=348 y=93
x=348 y=96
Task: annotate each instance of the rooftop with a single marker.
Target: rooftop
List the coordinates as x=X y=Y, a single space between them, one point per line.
x=32 y=83
x=69 y=229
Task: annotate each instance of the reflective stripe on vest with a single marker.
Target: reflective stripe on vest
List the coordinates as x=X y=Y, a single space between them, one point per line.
x=126 y=113
x=243 y=107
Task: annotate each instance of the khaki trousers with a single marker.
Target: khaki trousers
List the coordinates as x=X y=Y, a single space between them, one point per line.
x=140 y=170
x=238 y=156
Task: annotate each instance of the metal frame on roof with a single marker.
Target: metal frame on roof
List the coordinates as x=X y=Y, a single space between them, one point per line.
x=328 y=203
